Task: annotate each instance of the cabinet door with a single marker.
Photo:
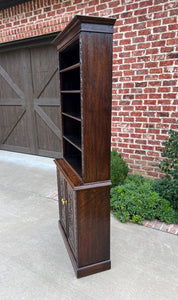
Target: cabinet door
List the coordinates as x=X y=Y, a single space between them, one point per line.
x=62 y=190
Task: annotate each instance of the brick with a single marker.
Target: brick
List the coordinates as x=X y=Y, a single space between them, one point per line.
x=169 y=20
x=153 y=23
x=158 y=44
x=140 y=12
x=165 y=76
x=130 y=20
x=129 y=47
x=164 y=89
x=173 y=26
x=168 y=35
x=155 y=8
x=156 y=71
x=131 y=6
x=159 y=29
x=139 y=26
x=143 y=45
x=172 y=41
x=145 y=3
x=140 y=84
x=125 y=42
x=169 y=83
x=151 y=64
x=167 y=49
x=125 y=28
x=139 y=40
x=142 y=72
x=153 y=37
x=128 y=85
x=144 y=32
x=160 y=14
x=173 y=55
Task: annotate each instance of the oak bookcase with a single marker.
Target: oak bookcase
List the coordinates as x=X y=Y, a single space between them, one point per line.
x=85 y=68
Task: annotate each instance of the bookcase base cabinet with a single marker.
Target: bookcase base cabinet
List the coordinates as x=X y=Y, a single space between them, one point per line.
x=85 y=224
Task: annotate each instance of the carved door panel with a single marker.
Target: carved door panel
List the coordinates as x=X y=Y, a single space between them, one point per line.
x=62 y=189
x=70 y=216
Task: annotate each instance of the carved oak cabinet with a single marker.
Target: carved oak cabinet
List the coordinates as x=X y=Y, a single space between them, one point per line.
x=85 y=68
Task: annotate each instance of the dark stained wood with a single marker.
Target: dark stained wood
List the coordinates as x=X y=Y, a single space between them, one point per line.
x=85 y=95
x=86 y=270
x=29 y=100
x=71 y=176
x=82 y=23
x=93 y=215
x=96 y=100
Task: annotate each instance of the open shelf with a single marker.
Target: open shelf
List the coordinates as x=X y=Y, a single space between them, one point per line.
x=74 y=140
x=73 y=156
x=70 y=68
x=70 y=56
x=71 y=106
x=72 y=131
x=73 y=116
x=70 y=80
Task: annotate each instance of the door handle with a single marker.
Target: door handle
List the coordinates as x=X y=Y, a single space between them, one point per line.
x=64 y=201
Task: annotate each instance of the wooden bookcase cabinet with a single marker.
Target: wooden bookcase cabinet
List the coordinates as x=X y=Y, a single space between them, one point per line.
x=85 y=68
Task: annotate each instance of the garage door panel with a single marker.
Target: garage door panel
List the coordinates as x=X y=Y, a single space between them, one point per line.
x=46 y=137
x=53 y=113
x=12 y=64
x=29 y=101
x=13 y=126
x=18 y=136
x=6 y=91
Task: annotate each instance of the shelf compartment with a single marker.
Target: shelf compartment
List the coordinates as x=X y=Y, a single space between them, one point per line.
x=75 y=141
x=73 y=156
x=70 y=68
x=70 y=55
x=71 y=105
x=72 y=131
x=70 y=80
x=73 y=116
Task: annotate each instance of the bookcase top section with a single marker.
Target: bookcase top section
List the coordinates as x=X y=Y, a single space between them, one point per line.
x=83 y=23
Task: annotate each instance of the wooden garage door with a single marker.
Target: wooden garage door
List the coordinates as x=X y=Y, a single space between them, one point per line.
x=29 y=101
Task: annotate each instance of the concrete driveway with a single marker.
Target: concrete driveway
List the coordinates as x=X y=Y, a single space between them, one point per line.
x=34 y=264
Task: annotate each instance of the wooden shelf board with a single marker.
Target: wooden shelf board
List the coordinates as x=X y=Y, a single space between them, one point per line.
x=70 y=92
x=73 y=140
x=72 y=115
x=70 y=68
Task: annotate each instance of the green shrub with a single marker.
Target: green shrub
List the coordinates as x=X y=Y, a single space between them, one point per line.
x=119 y=168
x=135 y=201
x=170 y=164
x=168 y=187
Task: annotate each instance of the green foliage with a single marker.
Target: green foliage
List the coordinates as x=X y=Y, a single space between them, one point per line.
x=170 y=164
x=135 y=200
x=167 y=189
x=119 y=168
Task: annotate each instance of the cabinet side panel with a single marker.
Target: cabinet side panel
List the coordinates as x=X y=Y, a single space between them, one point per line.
x=93 y=220
x=96 y=94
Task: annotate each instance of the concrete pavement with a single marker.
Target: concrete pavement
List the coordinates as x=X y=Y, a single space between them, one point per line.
x=34 y=264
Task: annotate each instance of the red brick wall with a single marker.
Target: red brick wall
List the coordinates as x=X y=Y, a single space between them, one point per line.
x=145 y=66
